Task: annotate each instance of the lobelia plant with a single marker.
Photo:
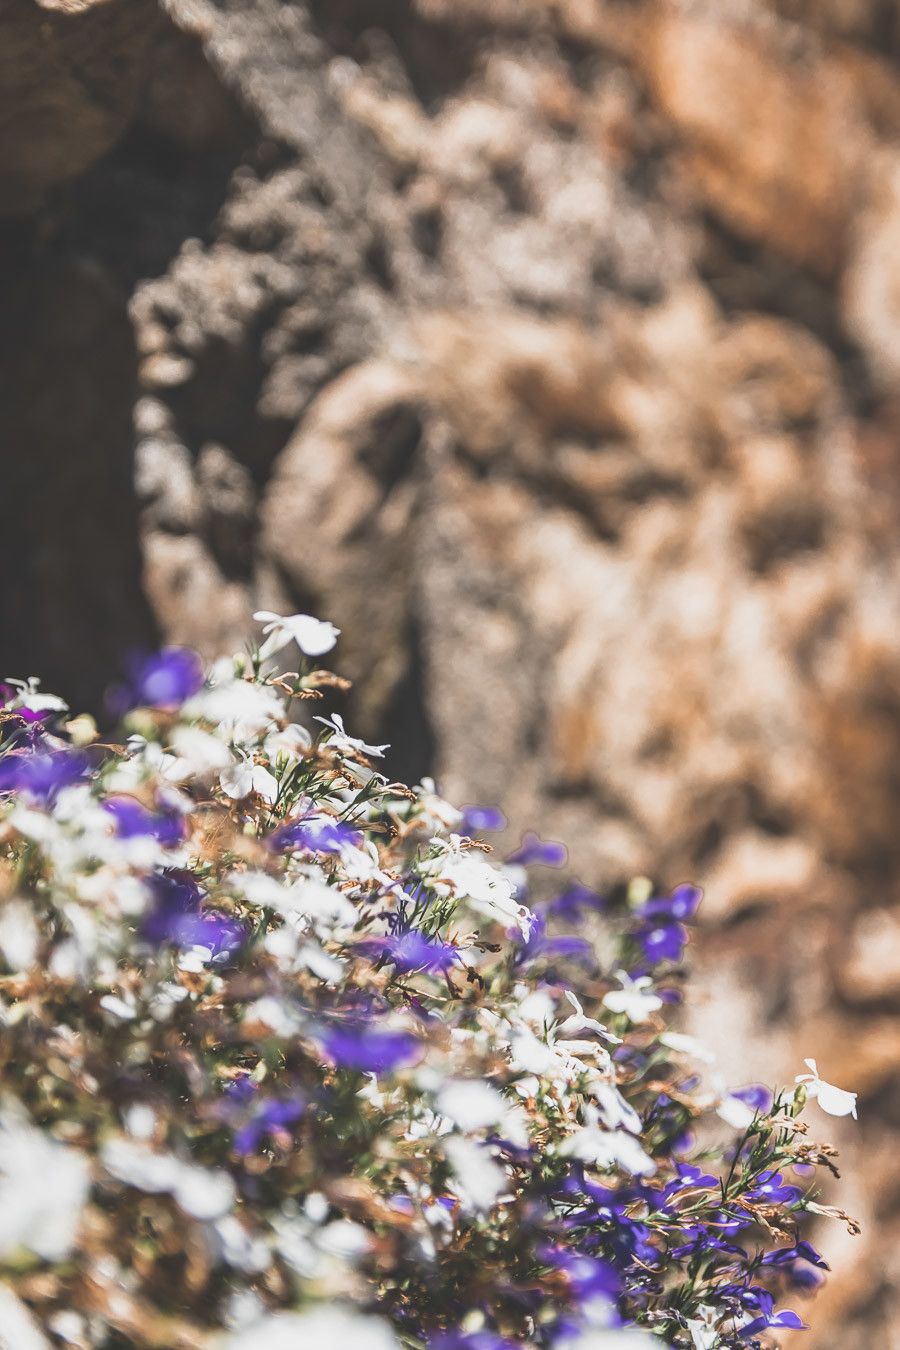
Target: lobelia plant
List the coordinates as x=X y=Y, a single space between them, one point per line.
x=289 y=1061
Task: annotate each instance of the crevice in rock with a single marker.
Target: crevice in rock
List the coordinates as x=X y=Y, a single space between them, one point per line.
x=743 y=276
x=408 y=725
x=69 y=519
x=438 y=57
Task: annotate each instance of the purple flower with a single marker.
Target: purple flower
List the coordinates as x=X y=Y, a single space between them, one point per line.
x=773 y=1320
x=690 y=1177
x=757 y=1097
x=368 y=1050
x=680 y=906
x=413 y=951
x=175 y=896
x=175 y=916
x=804 y=1277
x=133 y=820
x=697 y=1239
x=587 y=1275
x=318 y=834
x=220 y=933
x=272 y=1117
x=573 y=903
x=661 y=933
x=165 y=679
x=477 y=818
x=770 y=1189
x=539 y=944
x=662 y=942
x=241 y=1089
x=802 y=1251
x=535 y=850
x=42 y=775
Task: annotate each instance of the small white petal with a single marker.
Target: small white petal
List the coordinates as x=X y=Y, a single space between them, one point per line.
x=735 y=1113
x=204 y=1193
x=18 y=1329
x=836 y=1101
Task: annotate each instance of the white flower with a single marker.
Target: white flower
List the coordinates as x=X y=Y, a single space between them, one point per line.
x=321 y=1328
x=292 y=741
x=275 y=1013
x=329 y=969
x=18 y=1329
x=203 y=1193
x=436 y=813
x=478 y=1179
x=313 y=636
x=579 y=1022
x=325 y=905
x=18 y=935
x=833 y=1100
x=30 y=697
x=239 y=708
x=471 y=1103
x=529 y=1054
x=475 y=1105
x=687 y=1045
x=258 y=887
x=704 y=1328
x=631 y=999
x=200 y=754
x=614 y=1109
x=130 y=1161
x=340 y=740
x=238 y=1248
x=139 y=1120
x=485 y=887
x=344 y=1238
x=734 y=1112
x=122 y=1009
x=607 y=1149
x=43 y=1187
x=241 y=779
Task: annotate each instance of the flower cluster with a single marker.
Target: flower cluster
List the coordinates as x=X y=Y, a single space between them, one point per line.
x=289 y=1059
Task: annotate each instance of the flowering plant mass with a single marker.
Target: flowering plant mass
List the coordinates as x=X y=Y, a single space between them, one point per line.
x=289 y=1060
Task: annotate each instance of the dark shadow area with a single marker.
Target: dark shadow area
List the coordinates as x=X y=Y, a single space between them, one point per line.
x=72 y=603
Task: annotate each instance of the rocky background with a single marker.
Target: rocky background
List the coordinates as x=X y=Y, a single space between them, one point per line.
x=551 y=348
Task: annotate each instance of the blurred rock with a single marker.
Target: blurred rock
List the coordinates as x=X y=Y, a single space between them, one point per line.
x=70 y=74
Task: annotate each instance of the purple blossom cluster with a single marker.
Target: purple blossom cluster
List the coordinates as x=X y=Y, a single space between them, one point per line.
x=290 y=1056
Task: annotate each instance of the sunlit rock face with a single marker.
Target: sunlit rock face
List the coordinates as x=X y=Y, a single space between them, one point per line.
x=549 y=351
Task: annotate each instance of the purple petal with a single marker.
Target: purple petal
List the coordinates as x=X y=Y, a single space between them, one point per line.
x=573 y=903
x=664 y=942
x=478 y=818
x=165 y=679
x=221 y=933
x=175 y=896
x=370 y=1051
x=133 y=820
x=757 y=1097
x=535 y=850
x=413 y=951
x=317 y=834
x=679 y=907
x=42 y=775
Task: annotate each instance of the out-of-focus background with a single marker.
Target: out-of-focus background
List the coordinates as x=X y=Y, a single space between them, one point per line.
x=550 y=349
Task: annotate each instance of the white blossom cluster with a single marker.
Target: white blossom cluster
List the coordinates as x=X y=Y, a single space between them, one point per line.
x=291 y=1060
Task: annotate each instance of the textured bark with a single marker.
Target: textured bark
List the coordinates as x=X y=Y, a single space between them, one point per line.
x=550 y=349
